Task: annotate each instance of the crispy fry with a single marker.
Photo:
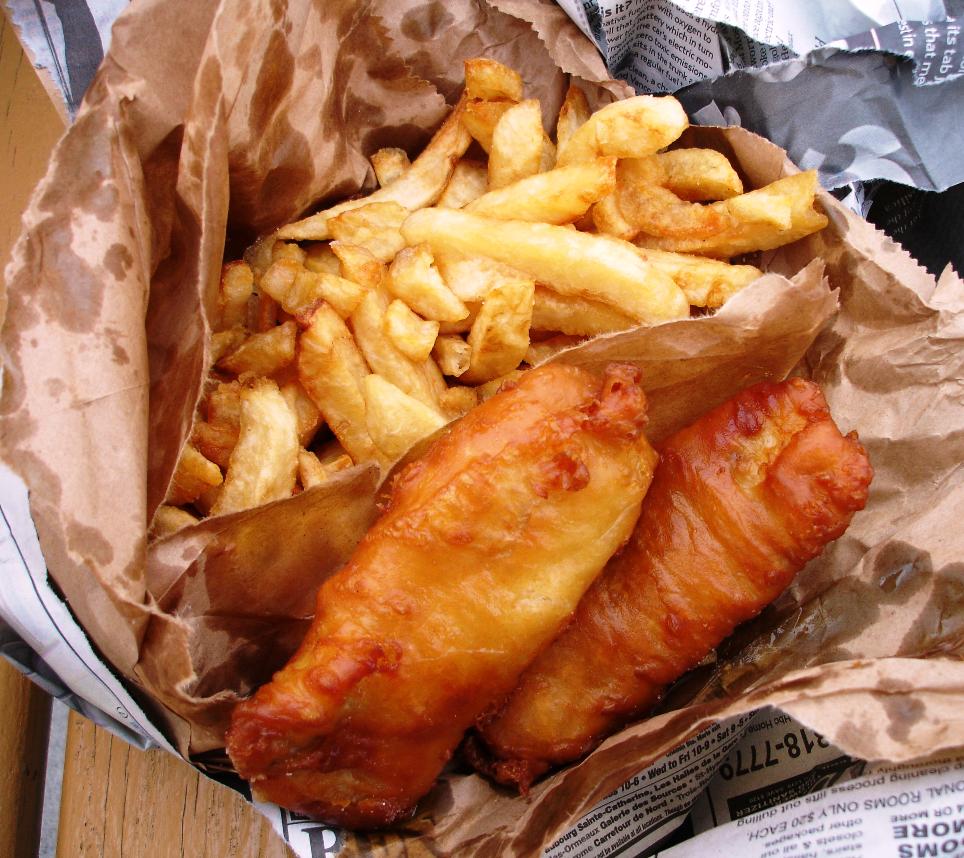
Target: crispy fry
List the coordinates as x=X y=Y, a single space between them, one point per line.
x=258 y=255
x=778 y=214
x=358 y=265
x=491 y=388
x=263 y=353
x=630 y=128
x=225 y=342
x=462 y=326
x=480 y=118
x=576 y=316
x=698 y=175
x=573 y=263
x=262 y=313
x=500 y=335
x=420 y=379
x=469 y=181
x=194 y=474
x=470 y=277
x=313 y=471
x=264 y=462
x=412 y=335
x=321 y=259
x=419 y=186
x=544 y=349
x=517 y=148
x=287 y=250
x=458 y=400
x=452 y=354
x=607 y=218
x=389 y=164
x=215 y=441
x=573 y=114
x=170 y=519
x=307 y=415
x=299 y=290
x=705 y=282
x=394 y=419
x=489 y=79
x=237 y=284
x=414 y=278
x=331 y=369
x=374 y=227
x=557 y=196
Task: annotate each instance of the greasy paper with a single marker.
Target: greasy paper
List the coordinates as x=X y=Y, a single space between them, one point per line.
x=188 y=148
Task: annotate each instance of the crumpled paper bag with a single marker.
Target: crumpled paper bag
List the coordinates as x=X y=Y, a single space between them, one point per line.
x=188 y=147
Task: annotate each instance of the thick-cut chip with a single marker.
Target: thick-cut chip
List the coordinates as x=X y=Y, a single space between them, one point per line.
x=778 y=214
x=607 y=218
x=491 y=388
x=571 y=262
x=374 y=227
x=576 y=316
x=480 y=118
x=500 y=335
x=313 y=471
x=259 y=255
x=469 y=181
x=263 y=353
x=458 y=400
x=557 y=196
x=287 y=250
x=420 y=379
x=237 y=284
x=631 y=128
x=170 y=519
x=262 y=313
x=394 y=419
x=705 y=282
x=225 y=342
x=321 y=259
x=470 y=277
x=517 y=144
x=698 y=175
x=193 y=474
x=264 y=462
x=419 y=186
x=331 y=370
x=573 y=114
x=389 y=164
x=223 y=403
x=414 y=278
x=299 y=290
x=489 y=79
x=215 y=441
x=358 y=265
x=306 y=413
x=452 y=354
x=544 y=349
x=412 y=335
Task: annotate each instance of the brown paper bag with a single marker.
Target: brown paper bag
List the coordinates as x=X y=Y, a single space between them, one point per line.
x=245 y=115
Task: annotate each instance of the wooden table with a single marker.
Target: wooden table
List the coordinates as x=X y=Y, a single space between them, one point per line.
x=116 y=800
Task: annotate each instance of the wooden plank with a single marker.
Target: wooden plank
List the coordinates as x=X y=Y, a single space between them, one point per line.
x=118 y=800
x=24 y=722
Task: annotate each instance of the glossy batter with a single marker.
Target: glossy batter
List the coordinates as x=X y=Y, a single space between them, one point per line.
x=487 y=545
x=741 y=500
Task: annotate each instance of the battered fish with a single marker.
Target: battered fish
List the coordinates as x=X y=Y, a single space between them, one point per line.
x=741 y=500
x=487 y=545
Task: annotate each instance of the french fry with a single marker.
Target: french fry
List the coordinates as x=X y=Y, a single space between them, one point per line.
x=374 y=227
x=414 y=278
x=298 y=290
x=223 y=404
x=194 y=473
x=389 y=164
x=544 y=349
x=312 y=471
x=607 y=218
x=469 y=181
x=263 y=353
x=331 y=369
x=480 y=118
x=575 y=316
x=287 y=250
x=458 y=400
x=321 y=259
x=262 y=313
x=491 y=80
x=601 y=268
x=412 y=335
x=462 y=326
x=631 y=128
x=394 y=419
x=751 y=223
x=558 y=196
x=491 y=388
x=264 y=462
x=516 y=150
x=452 y=354
x=358 y=265
x=259 y=255
x=698 y=175
x=500 y=335
x=705 y=282
x=215 y=441
x=419 y=186
x=307 y=415
x=420 y=379
x=169 y=520
x=237 y=284
x=470 y=277
x=225 y=342
x=573 y=114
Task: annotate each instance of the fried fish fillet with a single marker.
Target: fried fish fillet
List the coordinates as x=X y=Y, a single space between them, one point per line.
x=740 y=501
x=483 y=553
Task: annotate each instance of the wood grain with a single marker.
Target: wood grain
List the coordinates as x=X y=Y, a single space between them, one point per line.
x=120 y=801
